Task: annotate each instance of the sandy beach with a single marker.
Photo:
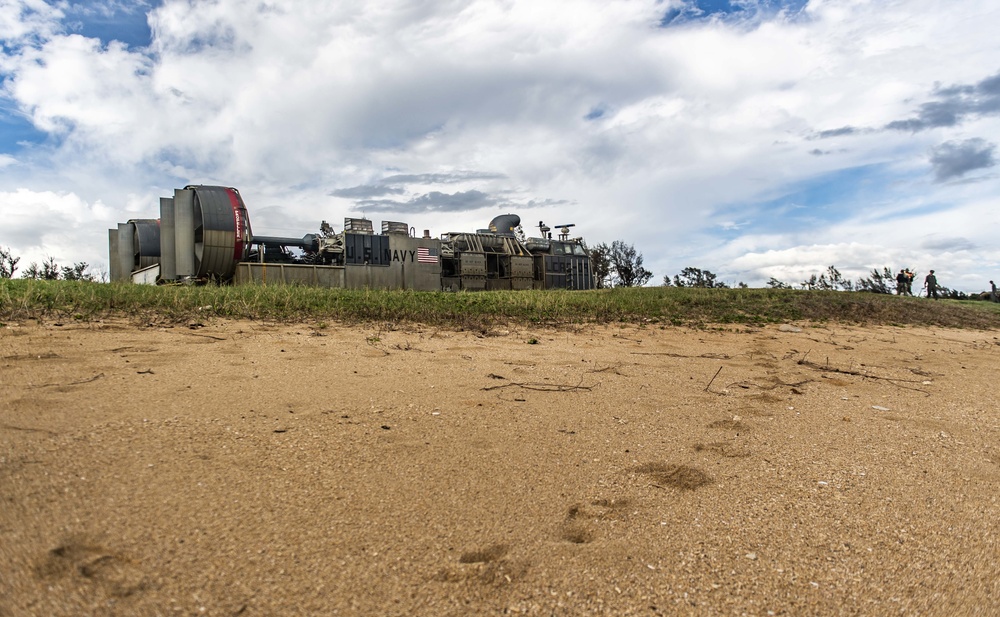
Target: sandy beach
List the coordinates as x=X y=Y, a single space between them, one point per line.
x=241 y=468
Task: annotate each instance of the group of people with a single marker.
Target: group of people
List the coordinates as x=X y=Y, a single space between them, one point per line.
x=904 y=284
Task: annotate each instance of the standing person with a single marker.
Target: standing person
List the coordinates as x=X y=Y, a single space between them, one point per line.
x=909 y=282
x=993 y=293
x=930 y=282
x=901 y=283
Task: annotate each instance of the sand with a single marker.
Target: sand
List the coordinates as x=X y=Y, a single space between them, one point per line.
x=242 y=468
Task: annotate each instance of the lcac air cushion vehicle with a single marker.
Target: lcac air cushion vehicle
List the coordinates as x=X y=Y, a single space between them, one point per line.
x=204 y=234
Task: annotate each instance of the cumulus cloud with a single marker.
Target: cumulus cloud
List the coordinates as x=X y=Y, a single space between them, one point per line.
x=28 y=21
x=38 y=225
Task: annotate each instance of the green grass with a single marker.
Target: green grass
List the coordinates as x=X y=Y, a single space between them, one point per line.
x=64 y=300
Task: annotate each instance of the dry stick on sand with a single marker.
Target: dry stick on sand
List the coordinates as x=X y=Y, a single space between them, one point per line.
x=544 y=387
x=713 y=379
x=892 y=380
x=712 y=356
x=777 y=383
x=611 y=367
x=214 y=338
x=72 y=383
x=27 y=429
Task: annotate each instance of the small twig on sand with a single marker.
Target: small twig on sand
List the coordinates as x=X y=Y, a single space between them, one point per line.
x=542 y=387
x=892 y=380
x=94 y=378
x=72 y=383
x=710 y=355
x=713 y=379
x=611 y=367
x=214 y=338
x=27 y=430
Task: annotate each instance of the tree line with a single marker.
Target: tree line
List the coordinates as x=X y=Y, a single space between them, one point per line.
x=49 y=270
x=620 y=265
x=878 y=281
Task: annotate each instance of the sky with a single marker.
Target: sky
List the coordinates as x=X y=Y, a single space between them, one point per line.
x=751 y=138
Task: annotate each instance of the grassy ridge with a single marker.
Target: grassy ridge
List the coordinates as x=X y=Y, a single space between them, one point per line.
x=32 y=299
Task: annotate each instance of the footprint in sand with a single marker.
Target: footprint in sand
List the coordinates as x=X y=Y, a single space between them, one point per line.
x=682 y=477
x=78 y=558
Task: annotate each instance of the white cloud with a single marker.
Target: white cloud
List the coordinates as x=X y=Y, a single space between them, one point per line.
x=24 y=20
x=39 y=225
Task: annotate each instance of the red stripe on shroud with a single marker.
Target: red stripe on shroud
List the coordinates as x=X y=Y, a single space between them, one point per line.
x=234 y=201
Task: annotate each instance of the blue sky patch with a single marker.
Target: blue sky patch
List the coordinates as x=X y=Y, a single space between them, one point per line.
x=823 y=200
x=16 y=129
x=111 y=22
x=726 y=10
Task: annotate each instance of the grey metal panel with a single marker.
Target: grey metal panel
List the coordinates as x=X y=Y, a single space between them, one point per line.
x=330 y=276
x=244 y=274
x=472 y=264
x=580 y=273
x=380 y=277
x=412 y=273
x=168 y=256
x=521 y=283
x=498 y=284
x=521 y=266
x=184 y=232
x=357 y=277
x=360 y=249
x=126 y=253
x=474 y=283
x=567 y=272
x=284 y=274
x=114 y=262
x=380 y=245
x=351 y=252
x=302 y=275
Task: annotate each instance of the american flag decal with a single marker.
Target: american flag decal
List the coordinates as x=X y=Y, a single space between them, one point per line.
x=426 y=255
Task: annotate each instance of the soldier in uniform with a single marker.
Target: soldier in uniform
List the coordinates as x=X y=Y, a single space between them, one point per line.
x=930 y=282
x=901 y=283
